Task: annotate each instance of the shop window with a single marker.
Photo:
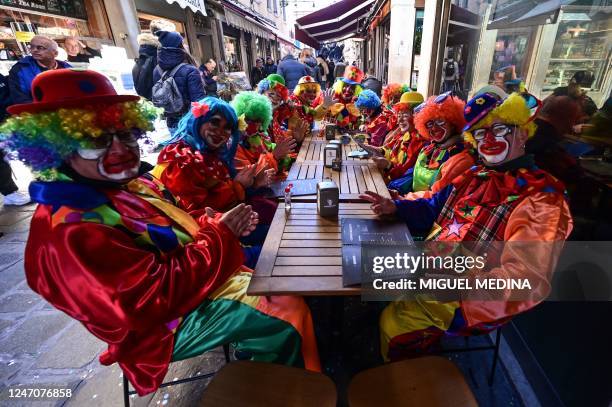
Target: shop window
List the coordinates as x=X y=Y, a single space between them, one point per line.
x=511 y=55
x=232 y=53
x=582 y=43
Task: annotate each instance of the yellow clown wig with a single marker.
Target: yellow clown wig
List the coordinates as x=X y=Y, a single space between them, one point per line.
x=514 y=110
x=449 y=108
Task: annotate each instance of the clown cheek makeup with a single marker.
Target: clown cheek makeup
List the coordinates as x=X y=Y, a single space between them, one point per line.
x=438 y=134
x=215 y=132
x=347 y=92
x=493 y=150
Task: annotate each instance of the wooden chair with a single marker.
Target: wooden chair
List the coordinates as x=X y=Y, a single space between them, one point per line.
x=426 y=381
x=256 y=384
x=126 y=385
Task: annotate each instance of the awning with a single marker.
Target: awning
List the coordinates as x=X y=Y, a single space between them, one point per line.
x=247 y=23
x=526 y=14
x=338 y=21
x=194 y=5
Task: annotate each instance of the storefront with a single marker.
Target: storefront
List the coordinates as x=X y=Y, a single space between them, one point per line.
x=21 y=20
x=541 y=44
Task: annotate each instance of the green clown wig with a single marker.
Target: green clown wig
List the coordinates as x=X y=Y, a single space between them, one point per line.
x=253 y=106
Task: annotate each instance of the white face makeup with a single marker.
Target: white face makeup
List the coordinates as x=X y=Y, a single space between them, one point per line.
x=274 y=97
x=215 y=132
x=403 y=120
x=113 y=158
x=439 y=130
x=498 y=143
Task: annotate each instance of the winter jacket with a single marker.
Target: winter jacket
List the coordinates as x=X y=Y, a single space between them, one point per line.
x=142 y=72
x=188 y=78
x=270 y=68
x=313 y=69
x=21 y=76
x=257 y=75
x=291 y=70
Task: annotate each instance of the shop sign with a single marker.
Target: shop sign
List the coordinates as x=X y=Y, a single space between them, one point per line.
x=24 y=36
x=74 y=8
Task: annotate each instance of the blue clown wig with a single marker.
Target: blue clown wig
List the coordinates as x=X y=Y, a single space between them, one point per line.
x=188 y=130
x=367 y=99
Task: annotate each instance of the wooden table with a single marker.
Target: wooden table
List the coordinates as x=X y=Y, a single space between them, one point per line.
x=356 y=177
x=302 y=254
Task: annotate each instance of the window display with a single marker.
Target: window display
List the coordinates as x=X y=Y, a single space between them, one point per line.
x=582 y=44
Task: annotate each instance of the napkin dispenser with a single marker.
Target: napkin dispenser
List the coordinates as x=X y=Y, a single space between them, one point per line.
x=328 y=196
x=330 y=131
x=331 y=152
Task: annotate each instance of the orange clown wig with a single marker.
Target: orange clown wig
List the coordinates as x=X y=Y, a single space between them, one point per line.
x=393 y=91
x=445 y=107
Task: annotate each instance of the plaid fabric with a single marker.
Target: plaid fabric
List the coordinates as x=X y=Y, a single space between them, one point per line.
x=482 y=200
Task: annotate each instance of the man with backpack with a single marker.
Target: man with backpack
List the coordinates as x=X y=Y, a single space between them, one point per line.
x=451 y=74
x=142 y=72
x=176 y=82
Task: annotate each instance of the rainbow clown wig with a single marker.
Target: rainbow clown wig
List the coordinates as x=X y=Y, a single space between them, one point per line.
x=201 y=112
x=394 y=91
x=368 y=100
x=518 y=109
x=446 y=107
x=70 y=110
x=253 y=106
x=275 y=82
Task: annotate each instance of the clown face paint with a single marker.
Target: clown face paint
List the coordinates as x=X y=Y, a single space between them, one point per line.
x=348 y=91
x=253 y=126
x=308 y=95
x=404 y=120
x=114 y=158
x=499 y=143
x=369 y=113
x=275 y=97
x=215 y=132
x=439 y=130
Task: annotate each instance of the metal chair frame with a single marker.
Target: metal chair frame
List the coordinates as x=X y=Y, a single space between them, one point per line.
x=126 y=385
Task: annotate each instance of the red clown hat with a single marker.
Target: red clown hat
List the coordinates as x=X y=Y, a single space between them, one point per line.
x=352 y=75
x=58 y=88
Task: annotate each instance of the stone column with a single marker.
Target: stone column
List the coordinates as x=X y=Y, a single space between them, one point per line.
x=427 y=46
x=125 y=27
x=192 y=36
x=403 y=17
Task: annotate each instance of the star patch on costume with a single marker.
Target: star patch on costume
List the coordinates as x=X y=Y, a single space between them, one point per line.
x=454 y=228
x=467 y=209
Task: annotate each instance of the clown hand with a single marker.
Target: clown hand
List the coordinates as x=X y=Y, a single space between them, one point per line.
x=241 y=220
x=283 y=148
x=264 y=178
x=246 y=176
x=381 y=162
x=328 y=98
x=380 y=205
x=300 y=130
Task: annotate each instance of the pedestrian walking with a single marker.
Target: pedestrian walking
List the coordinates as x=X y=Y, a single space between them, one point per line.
x=291 y=70
x=43 y=58
x=258 y=72
x=176 y=82
x=323 y=72
x=451 y=74
x=210 y=80
x=270 y=67
x=142 y=72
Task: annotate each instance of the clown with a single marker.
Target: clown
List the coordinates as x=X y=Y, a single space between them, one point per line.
x=506 y=199
x=439 y=120
x=343 y=113
x=310 y=105
x=403 y=144
x=378 y=120
x=110 y=248
x=282 y=109
x=392 y=93
x=255 y=146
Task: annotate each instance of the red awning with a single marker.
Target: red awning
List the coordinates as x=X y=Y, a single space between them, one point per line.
x=338 y=21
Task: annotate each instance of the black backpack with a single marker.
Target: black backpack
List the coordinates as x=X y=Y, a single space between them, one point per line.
x=449 y=69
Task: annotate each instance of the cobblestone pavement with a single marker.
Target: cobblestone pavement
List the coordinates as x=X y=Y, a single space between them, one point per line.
x=41 y=346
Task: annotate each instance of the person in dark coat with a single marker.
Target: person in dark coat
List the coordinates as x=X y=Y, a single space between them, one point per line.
x=270 y=67
x=142 y=72
x=188 y=78
x=258 y=72
x=43 y=53
x=372 y=83
x=210 y=80
x=291 y=70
